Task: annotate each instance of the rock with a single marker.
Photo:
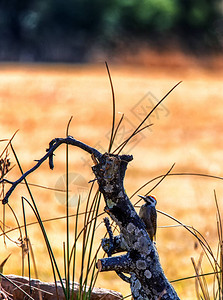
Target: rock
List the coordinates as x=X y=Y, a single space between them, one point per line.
x=37 y=289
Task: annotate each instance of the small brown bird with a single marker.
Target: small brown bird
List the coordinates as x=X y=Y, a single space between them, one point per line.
x=148 y=214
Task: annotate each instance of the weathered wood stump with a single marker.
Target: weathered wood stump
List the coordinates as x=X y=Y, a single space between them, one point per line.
x=141 y=260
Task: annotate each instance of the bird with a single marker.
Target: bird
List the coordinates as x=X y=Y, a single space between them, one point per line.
x=148 y=215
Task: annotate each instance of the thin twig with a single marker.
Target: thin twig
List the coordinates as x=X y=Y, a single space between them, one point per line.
x=54 y=144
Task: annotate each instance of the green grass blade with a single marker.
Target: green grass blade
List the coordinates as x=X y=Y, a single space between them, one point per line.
x=86 y=231
x=121 y=147
x=113 y=109
x=74 y=252
x=64 y=260
x=162 y=178
x=26 y=241
x=90 y=250
x=176 y=174
x=50 y=252
x=220 y=246
x=35 y=209
x=17 y=221
x=67 y=274
x=92 y=231
x=117 y=128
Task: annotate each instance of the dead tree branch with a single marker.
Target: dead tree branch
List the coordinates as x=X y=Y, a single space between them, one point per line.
x=54 y=144
x=141 y=260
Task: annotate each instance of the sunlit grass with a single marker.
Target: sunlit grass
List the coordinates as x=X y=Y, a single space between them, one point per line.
x=39 y=102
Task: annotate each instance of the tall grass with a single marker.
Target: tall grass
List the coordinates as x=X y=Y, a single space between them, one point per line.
x=90 y=217
x=87 y=273
x=210 y=286
x=86 y=234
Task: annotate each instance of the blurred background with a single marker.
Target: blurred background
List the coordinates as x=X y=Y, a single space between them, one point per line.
x=52 y=55
x=80 y=31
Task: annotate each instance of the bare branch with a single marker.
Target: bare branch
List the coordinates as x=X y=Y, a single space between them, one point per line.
x=53 y=145
x=140 y=261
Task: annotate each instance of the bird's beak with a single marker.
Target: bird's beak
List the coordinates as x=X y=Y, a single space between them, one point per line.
x=143 y=197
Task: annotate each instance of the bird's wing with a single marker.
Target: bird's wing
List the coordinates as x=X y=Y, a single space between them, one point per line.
x=154 y=220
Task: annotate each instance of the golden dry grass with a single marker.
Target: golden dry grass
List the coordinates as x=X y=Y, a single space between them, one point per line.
x=39 y=100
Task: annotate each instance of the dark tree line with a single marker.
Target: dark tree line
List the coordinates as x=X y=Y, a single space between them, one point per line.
x=58 y=30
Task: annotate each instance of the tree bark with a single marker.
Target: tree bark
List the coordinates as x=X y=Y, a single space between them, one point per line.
x=141 y=260
x=147 y=279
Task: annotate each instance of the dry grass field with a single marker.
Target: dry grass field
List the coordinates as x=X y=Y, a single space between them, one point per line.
x=187 y=130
